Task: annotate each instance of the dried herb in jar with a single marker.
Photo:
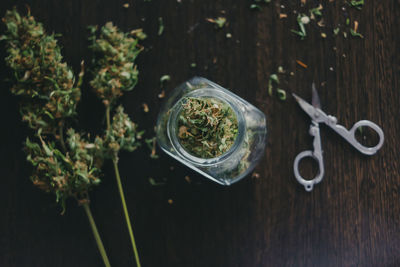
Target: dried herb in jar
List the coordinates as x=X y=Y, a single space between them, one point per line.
x=207 y=127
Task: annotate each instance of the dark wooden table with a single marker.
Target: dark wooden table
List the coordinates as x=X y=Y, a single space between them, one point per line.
x=352 y=218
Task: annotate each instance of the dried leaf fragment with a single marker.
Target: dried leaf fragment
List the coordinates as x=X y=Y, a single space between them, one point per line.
x=219 y=22
x=145 y=107
x=301 y=64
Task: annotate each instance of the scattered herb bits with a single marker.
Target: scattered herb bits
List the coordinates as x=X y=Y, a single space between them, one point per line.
x=302 y=64
x=273 y=78
x=281 y=94
x=316 y=11
x=358 y=4
x=356 y=34
x=301 y=21
x=160 y=26
x=336 y=31
x=218 y=22
x=151 y=144
x=164 y=78
x=256 y=4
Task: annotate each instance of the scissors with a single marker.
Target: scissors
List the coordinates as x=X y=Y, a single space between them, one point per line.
x=317 y=117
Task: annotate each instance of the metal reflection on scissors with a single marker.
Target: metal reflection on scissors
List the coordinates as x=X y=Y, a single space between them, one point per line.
x=318 y=116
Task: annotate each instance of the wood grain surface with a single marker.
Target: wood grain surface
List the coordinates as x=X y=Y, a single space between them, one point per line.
x=352 y=218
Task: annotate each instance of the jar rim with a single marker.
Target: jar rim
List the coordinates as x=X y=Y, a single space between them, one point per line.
x=210 y=93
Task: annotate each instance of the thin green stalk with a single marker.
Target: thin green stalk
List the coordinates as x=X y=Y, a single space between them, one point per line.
x=122 y=196
x=108 y=117
x=96 y=235
x=61 y=133
x=128 y=221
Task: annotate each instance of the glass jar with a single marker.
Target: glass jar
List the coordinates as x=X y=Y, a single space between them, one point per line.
x=247 y=149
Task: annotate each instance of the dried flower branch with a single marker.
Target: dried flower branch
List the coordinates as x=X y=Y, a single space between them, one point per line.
x=49 y=97
x=64 y=174
x=115 y=72
x=122 y=135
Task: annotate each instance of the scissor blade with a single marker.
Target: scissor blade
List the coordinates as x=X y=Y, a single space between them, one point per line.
x=315 y=98
x=309 y=109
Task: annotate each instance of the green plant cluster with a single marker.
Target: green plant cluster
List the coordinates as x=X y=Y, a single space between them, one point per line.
x=64 y=174
x=71 y=167
x=113 y=64
x=49 y=95
x=46 y=83
x=115 y=72
x=122 y=135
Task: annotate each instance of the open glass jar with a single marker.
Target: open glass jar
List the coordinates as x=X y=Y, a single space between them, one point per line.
x=247 y=148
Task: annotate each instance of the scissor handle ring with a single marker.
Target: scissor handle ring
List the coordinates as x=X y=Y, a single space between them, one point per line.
x=364 y=149
x=308 y=184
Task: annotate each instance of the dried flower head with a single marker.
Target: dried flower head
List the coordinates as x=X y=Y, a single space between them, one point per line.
x=122 y=135
x=207 y=127
x=45 y=82
x=68 y=174
x=114 y=67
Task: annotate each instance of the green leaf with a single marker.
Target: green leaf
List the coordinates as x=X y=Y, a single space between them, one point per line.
x=315 y=11
x=356 y=34
x=273 y=77
x=358 y=4
x=255 y=6
x=220 y=22
x=302 y=33
x=270 y=88
x=165 y=78
x=336 y=31
x=281 y=94
x=153 y=182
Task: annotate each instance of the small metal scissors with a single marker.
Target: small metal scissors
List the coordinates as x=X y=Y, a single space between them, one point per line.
x=318 y=116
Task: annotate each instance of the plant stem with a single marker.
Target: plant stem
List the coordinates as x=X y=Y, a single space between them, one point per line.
x=61 y=133
x=108 y=117
x=96 y=235
x=128 y=221
x=122 y=196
